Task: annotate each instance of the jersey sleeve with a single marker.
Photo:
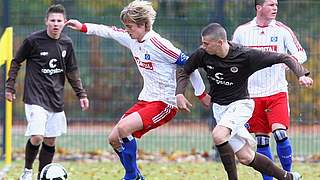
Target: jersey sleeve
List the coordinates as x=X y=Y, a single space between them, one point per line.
x=197 y=83
x=183 y=74
x=293 y=45
x=22 y=54
x=118 y=34
x=236 y=36
x=167 y=49
x=70 y=60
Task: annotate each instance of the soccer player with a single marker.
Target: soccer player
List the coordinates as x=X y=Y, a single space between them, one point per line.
x=156 y=59
x=228 y=66
x=268 y=87
x=50 y=58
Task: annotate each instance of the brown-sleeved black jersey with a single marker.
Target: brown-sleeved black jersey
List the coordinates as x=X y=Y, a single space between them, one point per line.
x=48 y=62
x=228 y=77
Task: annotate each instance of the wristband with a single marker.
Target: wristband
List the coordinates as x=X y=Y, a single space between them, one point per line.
x=83 y=28
x=202 y=95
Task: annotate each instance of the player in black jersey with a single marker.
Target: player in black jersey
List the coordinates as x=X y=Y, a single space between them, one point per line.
x=49 y=59
x=228 y=67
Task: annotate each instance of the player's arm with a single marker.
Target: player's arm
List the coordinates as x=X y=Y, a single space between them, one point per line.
x=73 y=76
x=195 y=77
x=76 y=84
x=101 y=30
x=183 y=76
x=21 y=55
x=293 y=45
x=260 y=59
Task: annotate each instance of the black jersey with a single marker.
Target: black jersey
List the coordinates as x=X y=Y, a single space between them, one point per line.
x=228 y=77
x=48 y=61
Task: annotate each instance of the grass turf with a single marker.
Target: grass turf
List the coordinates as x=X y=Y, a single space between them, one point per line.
x=160 y=171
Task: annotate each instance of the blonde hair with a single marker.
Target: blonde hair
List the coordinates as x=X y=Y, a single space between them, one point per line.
x=139 y=12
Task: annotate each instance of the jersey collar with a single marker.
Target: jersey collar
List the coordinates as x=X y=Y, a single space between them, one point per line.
x=254 y=22
x=147 y=36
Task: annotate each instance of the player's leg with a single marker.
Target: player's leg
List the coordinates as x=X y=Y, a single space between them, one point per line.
x=220 y=135
x=36 y=119
x=230 y=125
x=126 y=127
x=56 y=126
x=263 y=164
x=46 y=153
x=263 y=147
x=280 y=120
x=284 y=148
x=116 y=142
x=259 y=125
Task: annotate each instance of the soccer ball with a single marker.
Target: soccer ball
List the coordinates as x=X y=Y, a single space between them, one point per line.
x=53 y=171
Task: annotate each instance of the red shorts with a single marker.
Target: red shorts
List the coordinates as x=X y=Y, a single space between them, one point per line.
x=267 y=111
x=153 y=114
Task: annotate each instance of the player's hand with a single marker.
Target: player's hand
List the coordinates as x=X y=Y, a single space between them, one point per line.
x=10 y=96
x=306 y=81
x=183 y=103
x=74 y=24
x=84 y=103
x=206 y=101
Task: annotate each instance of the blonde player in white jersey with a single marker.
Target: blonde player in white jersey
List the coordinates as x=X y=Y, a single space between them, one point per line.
x=156 y=59
x=268 y=86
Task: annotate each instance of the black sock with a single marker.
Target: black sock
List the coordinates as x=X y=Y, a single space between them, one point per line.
x=228 y=160
x=45 y=156
x=30 y=154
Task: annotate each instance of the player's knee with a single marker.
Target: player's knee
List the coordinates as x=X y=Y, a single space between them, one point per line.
x=50 y=141
x=280 y=135
x=122 y=130
x=218 y=136
x=36 y=140
x=245 y=155
x=112 y=140
x=262 y=140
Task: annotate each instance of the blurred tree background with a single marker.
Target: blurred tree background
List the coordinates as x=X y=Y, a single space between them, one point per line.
x=109 y=73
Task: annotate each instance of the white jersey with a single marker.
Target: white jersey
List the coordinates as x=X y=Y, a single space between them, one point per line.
x=156 y=60
x=275 y=37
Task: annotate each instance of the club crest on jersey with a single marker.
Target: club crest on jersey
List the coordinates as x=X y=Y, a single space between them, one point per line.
x=64 y=52
x=147 y=56
x=234 y=69
x=274 y=39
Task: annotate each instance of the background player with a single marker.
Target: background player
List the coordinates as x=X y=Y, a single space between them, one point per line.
x=268 y=86
x=50 y=58
x=228 y=67
x=156 y=59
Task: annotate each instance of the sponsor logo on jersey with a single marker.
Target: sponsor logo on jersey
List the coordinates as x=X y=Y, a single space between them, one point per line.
x=218 y=78
x=271 y=48
x=145 y=65
x=44 y=53
x=274 y=39
x=53 y=69
x=234 y=69
x=63 y=54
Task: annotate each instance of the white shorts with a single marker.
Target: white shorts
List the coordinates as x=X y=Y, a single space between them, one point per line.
x=234 y=116
x=43 y=122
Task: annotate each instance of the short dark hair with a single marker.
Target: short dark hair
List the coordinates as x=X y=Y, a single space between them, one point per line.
x=56 y=8
x=259 y=2
x=214 y=31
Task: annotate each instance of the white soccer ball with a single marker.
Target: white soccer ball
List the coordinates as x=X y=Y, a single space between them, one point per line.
x=53 y=171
